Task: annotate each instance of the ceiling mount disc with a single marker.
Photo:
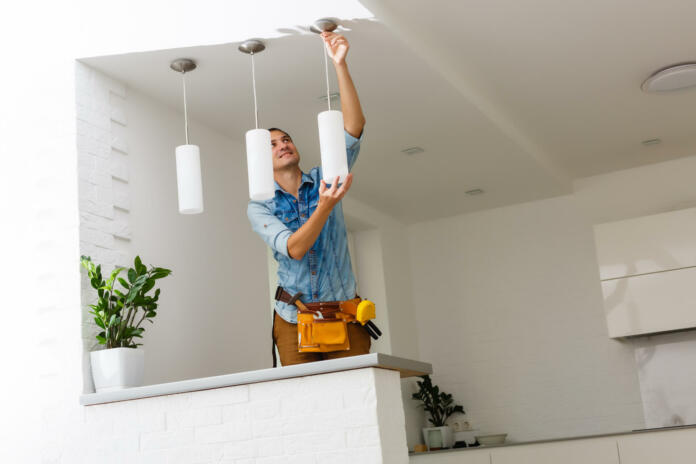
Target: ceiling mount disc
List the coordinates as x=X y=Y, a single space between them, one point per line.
x=252 y=46
x=183 y=65
x=323 y=25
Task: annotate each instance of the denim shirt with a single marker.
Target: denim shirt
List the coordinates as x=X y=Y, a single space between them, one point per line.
x=324 y=273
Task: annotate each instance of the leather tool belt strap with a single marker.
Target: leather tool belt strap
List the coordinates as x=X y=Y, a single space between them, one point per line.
x=322 y=326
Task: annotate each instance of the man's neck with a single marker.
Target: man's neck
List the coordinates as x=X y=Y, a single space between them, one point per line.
x=289 y=179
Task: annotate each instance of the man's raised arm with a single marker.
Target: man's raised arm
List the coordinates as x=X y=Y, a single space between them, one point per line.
x=353 y=118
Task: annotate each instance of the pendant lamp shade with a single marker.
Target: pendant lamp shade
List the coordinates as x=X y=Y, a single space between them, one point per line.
x=258 y=141
x=188 y=179
x=332 y=143
x=188 y=157
x=260 y=164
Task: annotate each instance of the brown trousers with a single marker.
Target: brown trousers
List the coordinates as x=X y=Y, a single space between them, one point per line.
x=285 y=337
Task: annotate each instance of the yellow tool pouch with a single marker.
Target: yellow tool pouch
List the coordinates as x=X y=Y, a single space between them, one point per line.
x=323 y=326
x=321 y=334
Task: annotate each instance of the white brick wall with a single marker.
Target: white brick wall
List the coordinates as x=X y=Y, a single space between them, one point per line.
x=104 y=199
x=341 y=417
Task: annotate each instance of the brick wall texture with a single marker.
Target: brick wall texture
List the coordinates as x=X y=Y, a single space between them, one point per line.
x=104 y=201
x=339 y=418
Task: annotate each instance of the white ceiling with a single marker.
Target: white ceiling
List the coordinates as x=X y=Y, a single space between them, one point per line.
x=516 y=98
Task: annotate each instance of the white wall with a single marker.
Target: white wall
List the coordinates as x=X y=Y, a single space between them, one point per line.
x=213 y=306
x=664 y=362
x=509 y=311
x=383 y=268
x=42 y=345
x=641 y=191
x=103 y=173
x=213 y=315
x=515 y=292
x=370 y=270
x=380 y=249
x=41 y=348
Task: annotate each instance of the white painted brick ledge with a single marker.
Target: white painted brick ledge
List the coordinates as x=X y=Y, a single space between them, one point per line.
x=340 y=411
x=406 y=368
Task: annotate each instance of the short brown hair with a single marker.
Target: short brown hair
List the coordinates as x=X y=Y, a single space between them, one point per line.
x=279 y=130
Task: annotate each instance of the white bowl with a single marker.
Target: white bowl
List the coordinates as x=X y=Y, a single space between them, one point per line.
x=493 y=439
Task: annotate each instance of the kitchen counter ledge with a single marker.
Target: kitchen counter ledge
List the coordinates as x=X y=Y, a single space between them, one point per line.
x=406 y=368
x=553 y=440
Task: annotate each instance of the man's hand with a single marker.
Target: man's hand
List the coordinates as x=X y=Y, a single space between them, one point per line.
x=328 y=197
x=337 y=46
x=353 y=118
x=304 y=237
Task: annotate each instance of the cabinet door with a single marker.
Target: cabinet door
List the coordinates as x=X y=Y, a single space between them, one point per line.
x=465 y=456
x=661 y=242
x=594 y=451
x=672 y=447
x=650 y=303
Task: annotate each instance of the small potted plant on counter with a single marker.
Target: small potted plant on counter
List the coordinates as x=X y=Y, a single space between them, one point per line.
x=439 y=405
x=120 y=315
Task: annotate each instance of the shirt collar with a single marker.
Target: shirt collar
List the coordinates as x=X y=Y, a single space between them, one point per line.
x=306 y=178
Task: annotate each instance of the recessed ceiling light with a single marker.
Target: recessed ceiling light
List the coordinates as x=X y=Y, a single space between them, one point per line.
x=674 y=77
x=334 y=96
x=650 y=142
x=412 y=150
x=474 y=192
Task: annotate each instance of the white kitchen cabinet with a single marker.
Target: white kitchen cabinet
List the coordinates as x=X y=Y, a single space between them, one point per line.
x=595 y=451
x=660 y=242
x=668 y=447
x=647 y=268
x=465 y=456
x=676 y=446
x=650 y=303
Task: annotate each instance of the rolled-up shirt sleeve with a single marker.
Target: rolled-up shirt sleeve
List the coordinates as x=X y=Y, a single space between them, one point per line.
x=353 y=148
x=270 y=228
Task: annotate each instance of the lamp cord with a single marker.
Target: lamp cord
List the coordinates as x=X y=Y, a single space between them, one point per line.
x=326 y=67
x=253 y=81
x=186 y=129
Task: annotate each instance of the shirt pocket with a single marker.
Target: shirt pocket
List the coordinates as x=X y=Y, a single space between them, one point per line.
x=289 y=218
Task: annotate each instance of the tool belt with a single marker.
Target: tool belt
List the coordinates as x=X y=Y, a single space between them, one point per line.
x=323 y=326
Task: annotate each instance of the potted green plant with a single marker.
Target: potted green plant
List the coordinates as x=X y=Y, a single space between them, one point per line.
x=440 y=406
x=120 y=314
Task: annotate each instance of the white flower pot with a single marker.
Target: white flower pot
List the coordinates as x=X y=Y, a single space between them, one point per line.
x=437 y=437
x=117 y=368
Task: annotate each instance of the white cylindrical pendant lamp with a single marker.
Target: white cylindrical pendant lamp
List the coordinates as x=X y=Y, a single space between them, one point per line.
x=260 y=164
x=258 y=141
x=188 y=157
x=332 y=143
x=188 y=179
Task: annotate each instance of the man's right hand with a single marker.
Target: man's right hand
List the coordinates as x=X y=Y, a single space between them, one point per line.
x=328 y=197
x=304 y=237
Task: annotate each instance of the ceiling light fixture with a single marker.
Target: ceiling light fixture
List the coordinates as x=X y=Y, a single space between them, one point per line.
x=334 y=96
x=188 y=157
x=674 y=77
x=651 y=142
x=258 y=141
x=412 y=150
x=332 y=141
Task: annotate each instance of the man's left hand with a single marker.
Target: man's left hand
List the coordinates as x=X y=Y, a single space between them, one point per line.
x=337 y=46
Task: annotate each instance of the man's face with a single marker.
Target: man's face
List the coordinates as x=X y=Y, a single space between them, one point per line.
x=284 y=151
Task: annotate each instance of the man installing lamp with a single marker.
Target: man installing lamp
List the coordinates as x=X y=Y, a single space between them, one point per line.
x=304 y=226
